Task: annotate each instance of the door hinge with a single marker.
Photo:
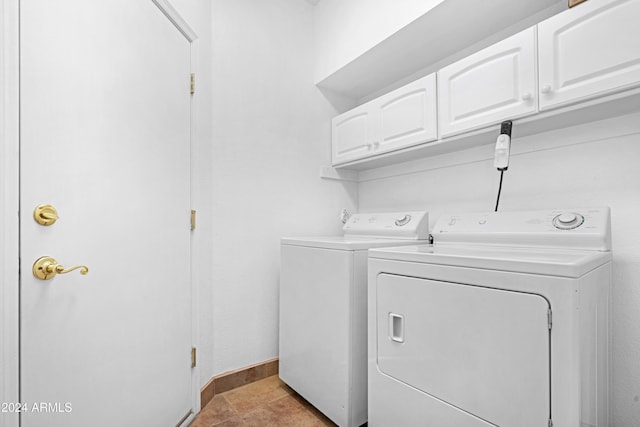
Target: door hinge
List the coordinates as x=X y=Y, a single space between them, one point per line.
x=549 y=319
x=192 y=84
x=193 y=357
x=193 y=219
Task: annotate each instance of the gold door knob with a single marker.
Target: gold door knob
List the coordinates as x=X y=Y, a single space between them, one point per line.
x=45 y=215
x=46 y=268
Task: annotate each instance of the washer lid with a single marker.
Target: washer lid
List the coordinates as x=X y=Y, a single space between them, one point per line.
x=552 y=262
x=347 y=243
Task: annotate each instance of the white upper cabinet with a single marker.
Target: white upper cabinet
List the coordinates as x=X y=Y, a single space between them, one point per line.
x=406 y=116
x=495 y=84
x=399 y=119
x=352 y=135
x=582 y=54
x=588 y=51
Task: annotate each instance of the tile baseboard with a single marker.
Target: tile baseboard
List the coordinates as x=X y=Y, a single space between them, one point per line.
x=238 y=378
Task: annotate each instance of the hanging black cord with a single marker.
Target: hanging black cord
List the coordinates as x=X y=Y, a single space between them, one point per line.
x=499 y=190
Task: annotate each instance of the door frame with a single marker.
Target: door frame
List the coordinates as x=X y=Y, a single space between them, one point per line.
x=10 y=202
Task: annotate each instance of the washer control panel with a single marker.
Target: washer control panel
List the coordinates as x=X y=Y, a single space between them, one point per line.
x=405 y=225
x=588 y=228
x=568 y=221
x=402 y=221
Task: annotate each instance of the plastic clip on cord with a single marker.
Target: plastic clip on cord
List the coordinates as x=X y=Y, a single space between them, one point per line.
x=501 y=159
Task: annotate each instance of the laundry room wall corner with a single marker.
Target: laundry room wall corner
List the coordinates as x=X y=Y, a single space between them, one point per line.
x=271 y=136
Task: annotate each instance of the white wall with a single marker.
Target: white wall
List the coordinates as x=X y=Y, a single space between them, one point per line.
x=345 y=30
x=271 y=133
x=589 y=165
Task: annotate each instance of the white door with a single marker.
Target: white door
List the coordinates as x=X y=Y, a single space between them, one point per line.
x=495 y=84
x=588 y=51
x=105 y=136
x=406 y=116
x=483 y=351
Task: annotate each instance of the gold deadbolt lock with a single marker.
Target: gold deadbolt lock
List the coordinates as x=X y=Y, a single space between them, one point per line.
x=46 y=268
x=45 y=215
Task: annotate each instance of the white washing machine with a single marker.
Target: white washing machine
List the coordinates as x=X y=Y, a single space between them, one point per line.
x=323 y=310
x=502 y=322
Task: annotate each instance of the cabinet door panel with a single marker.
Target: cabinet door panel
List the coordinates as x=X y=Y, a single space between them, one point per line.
x=490 y=86
x=588 y=51
x=407 y=116
x=351 y=135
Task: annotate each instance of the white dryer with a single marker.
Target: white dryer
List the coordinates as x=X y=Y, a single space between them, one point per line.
x=502 y=322
x=323 y=310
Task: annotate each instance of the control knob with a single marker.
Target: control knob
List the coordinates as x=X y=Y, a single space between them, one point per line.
x=403 y=220
x=568 y=221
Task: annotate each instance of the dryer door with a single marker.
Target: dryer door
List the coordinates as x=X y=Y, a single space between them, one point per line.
x=482 y=350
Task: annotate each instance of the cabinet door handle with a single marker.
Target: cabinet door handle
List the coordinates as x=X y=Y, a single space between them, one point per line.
x=546 y=89
x=376 y=145
x=527 y=96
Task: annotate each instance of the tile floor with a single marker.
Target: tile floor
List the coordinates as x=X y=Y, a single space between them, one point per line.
x=265 y=403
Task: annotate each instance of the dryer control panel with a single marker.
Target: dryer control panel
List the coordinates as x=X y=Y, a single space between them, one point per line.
x=583 y=228
x=405 y=225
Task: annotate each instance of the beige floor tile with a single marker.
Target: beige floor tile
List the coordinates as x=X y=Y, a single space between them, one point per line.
x=249 y=397
x=216 y=411
x=265 y=403
x=235 y=421
x=287 y=411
